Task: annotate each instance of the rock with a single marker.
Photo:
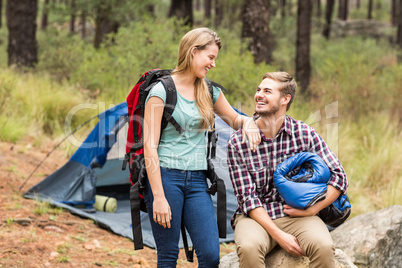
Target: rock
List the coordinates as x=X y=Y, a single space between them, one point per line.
x=134 y=259
x=372 y=239
x=23 y=221
x=54 y=254
x=96 y=243
x=279 y=258
x=365 y=241
x=53 y=228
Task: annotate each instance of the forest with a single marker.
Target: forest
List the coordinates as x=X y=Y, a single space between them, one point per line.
x=346 y=56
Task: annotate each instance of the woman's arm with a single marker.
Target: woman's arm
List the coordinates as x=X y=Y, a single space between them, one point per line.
x=225 y=111
x=152 y=130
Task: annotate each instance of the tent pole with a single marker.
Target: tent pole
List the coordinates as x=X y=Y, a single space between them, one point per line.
x=54 y=148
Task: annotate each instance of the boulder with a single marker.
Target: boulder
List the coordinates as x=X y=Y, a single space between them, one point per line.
x=279 y=258
x=372 y=239
x=368 y=240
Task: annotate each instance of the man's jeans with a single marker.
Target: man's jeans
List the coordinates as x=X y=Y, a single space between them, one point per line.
x=186 y=193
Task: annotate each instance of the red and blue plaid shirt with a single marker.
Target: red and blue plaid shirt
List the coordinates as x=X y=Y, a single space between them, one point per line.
x=252 y=172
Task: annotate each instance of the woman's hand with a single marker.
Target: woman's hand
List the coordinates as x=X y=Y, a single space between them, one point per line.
x=252 y=133
x=162 y=214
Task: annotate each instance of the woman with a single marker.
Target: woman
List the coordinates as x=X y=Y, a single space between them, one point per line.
x=176 y=164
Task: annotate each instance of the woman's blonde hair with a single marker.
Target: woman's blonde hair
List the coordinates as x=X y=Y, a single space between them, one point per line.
x=199 y=38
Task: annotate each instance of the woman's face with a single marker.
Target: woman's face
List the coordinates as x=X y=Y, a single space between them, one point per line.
x=204 y=59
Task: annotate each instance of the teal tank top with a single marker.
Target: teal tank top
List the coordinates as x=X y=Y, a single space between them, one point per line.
x=188 y=150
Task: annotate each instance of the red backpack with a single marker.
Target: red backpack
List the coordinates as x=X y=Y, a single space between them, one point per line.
x=135 y=153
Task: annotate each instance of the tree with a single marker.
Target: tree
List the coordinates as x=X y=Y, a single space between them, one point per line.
x=45 y=12
x=256 y=15
x=182 y=9
x=104 y=22
x=318 y=8
x=303 y=66
x=343 y=10
x=399 y=37
x=282 y=4
x=1 y=12
x=328 y=17
x=73 y=15
x=394 y=14
x=83 y=21
x=21 y=22
x=218 y=13
x=207 y=9
x=370 y=10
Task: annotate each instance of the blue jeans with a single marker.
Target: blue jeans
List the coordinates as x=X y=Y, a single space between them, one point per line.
x=186 y=193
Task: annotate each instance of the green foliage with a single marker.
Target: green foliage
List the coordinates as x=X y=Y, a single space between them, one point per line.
x=63 y=259
x=360 y=75
x=32 y=104
x=353 y=71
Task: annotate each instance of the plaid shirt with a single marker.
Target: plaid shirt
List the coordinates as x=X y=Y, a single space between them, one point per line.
x=252 y=172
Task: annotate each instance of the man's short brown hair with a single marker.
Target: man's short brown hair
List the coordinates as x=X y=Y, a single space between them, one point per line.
x=288 y=84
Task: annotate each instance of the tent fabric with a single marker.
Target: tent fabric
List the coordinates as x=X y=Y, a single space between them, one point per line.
x=95 y=168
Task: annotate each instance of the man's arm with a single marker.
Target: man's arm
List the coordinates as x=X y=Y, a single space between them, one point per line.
x=243 y=185
x=287 y=241
x=250 y=204
x=337 y=183
x=331 y=195
x=338 y=176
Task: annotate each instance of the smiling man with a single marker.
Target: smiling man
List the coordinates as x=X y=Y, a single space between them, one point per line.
x=262 y=219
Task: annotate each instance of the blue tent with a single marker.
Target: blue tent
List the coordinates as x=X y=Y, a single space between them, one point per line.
x=95 y=169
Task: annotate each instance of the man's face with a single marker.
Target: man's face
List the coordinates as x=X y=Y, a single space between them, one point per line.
x=267 y=98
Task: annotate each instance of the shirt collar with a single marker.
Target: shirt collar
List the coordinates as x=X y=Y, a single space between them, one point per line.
x=286 y=126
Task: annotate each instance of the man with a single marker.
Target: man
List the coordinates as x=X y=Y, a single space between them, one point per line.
x=262 y=219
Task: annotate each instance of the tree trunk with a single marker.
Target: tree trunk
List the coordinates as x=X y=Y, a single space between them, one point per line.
x=182 y=9
x=83 y=21
x=343 y=10
x=256 y=15
x=207 y=9
x=73 y=15
x=328 y=17
x=370 y=10
x=44 y=19
x=283 y=8
x=318 y=8
x=399 y=37
x=104 y=24
x=1 y=12
x=394 y=13
x=21 y=22
x=303 y=66
x=218 y=13
x=198 y=5
x=358 y=4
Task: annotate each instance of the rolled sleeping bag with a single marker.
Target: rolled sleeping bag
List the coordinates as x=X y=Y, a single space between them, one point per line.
x=302 y=179
x=105 y=203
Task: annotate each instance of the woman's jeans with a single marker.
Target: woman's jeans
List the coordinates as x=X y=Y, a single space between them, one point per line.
x=186 y=193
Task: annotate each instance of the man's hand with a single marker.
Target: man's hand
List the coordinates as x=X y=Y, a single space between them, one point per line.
x=294 y=212
x=289 y=243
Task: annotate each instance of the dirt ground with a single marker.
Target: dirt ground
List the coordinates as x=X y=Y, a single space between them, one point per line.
x=33 y=234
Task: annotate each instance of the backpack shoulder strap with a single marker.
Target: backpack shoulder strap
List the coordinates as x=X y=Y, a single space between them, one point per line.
x=212 y=137
x=171 y=100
